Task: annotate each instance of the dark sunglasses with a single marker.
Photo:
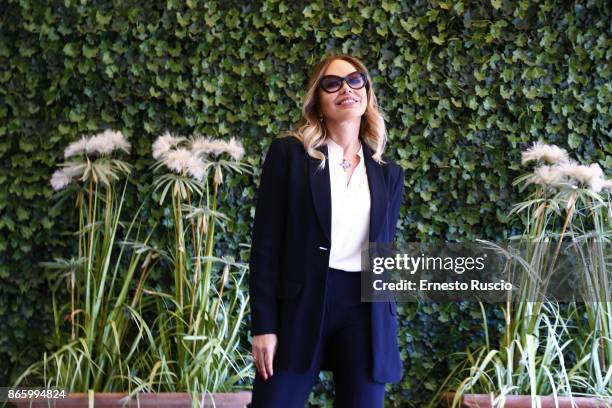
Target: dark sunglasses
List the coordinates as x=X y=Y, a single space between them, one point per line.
x=332 y=83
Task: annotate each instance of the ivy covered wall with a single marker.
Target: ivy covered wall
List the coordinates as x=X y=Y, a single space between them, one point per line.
x=464 y=86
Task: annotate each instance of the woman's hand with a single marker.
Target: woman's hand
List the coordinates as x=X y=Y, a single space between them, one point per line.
x=264 y=347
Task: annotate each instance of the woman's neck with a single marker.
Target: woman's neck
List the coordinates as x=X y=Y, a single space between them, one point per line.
x=345 y=135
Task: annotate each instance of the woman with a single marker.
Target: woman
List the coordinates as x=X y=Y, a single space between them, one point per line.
x=325 y=192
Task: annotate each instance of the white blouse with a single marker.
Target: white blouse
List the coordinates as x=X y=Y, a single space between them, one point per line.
x=350 y=221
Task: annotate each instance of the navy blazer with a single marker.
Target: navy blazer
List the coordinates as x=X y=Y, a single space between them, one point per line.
x=290 y=254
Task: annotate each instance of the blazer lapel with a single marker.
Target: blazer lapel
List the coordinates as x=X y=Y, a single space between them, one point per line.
x=321 y=192
x=378 y=193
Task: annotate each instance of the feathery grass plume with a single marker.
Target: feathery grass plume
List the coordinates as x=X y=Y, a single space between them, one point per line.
x=218 y=147
x=607 y=185
x=178 y=160
x=102 y=143
x=547 y=175
x=106 y=142
x=183 y=161
x=596 y=185
x=203 y=145
x=591 y=175
x=101 y=168
x=189 y=158
x=75 y=148
x=165 y=143
x=196 y=169
x=548 y=153
x=64 y=176
x=235 y=149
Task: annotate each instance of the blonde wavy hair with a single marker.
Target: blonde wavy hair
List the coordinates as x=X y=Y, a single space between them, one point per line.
x=311 y=130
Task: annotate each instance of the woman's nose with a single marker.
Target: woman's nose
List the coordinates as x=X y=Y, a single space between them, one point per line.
x=345 y=87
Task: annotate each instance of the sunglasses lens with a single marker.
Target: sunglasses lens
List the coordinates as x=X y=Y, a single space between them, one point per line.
x=356 y=81
x=331 y=83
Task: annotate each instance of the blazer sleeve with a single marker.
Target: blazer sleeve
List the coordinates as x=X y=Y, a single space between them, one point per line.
x=267 y=241
x=397 y=196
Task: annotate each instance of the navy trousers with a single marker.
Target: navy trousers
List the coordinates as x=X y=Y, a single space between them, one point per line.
x=345 y=341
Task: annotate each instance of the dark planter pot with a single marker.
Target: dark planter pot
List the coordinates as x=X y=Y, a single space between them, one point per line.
x=524 y=401
x=145 y=400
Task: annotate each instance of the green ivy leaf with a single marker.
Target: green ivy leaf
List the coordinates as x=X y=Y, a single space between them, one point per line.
x=89 y=52
x=573 y=140
x=101 y=19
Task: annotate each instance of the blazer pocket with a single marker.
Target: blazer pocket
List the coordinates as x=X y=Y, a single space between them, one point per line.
x=288 y=290
x=392 y=307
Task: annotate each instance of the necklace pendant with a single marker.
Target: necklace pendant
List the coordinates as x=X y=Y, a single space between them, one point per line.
x=345 y=165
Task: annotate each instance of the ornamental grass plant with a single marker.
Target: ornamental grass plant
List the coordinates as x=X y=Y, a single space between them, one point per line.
x=98 y=333
x=118 y=332
x=197 y=328
x=549 y=347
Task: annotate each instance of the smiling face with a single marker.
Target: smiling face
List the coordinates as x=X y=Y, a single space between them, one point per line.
x=331 y=104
